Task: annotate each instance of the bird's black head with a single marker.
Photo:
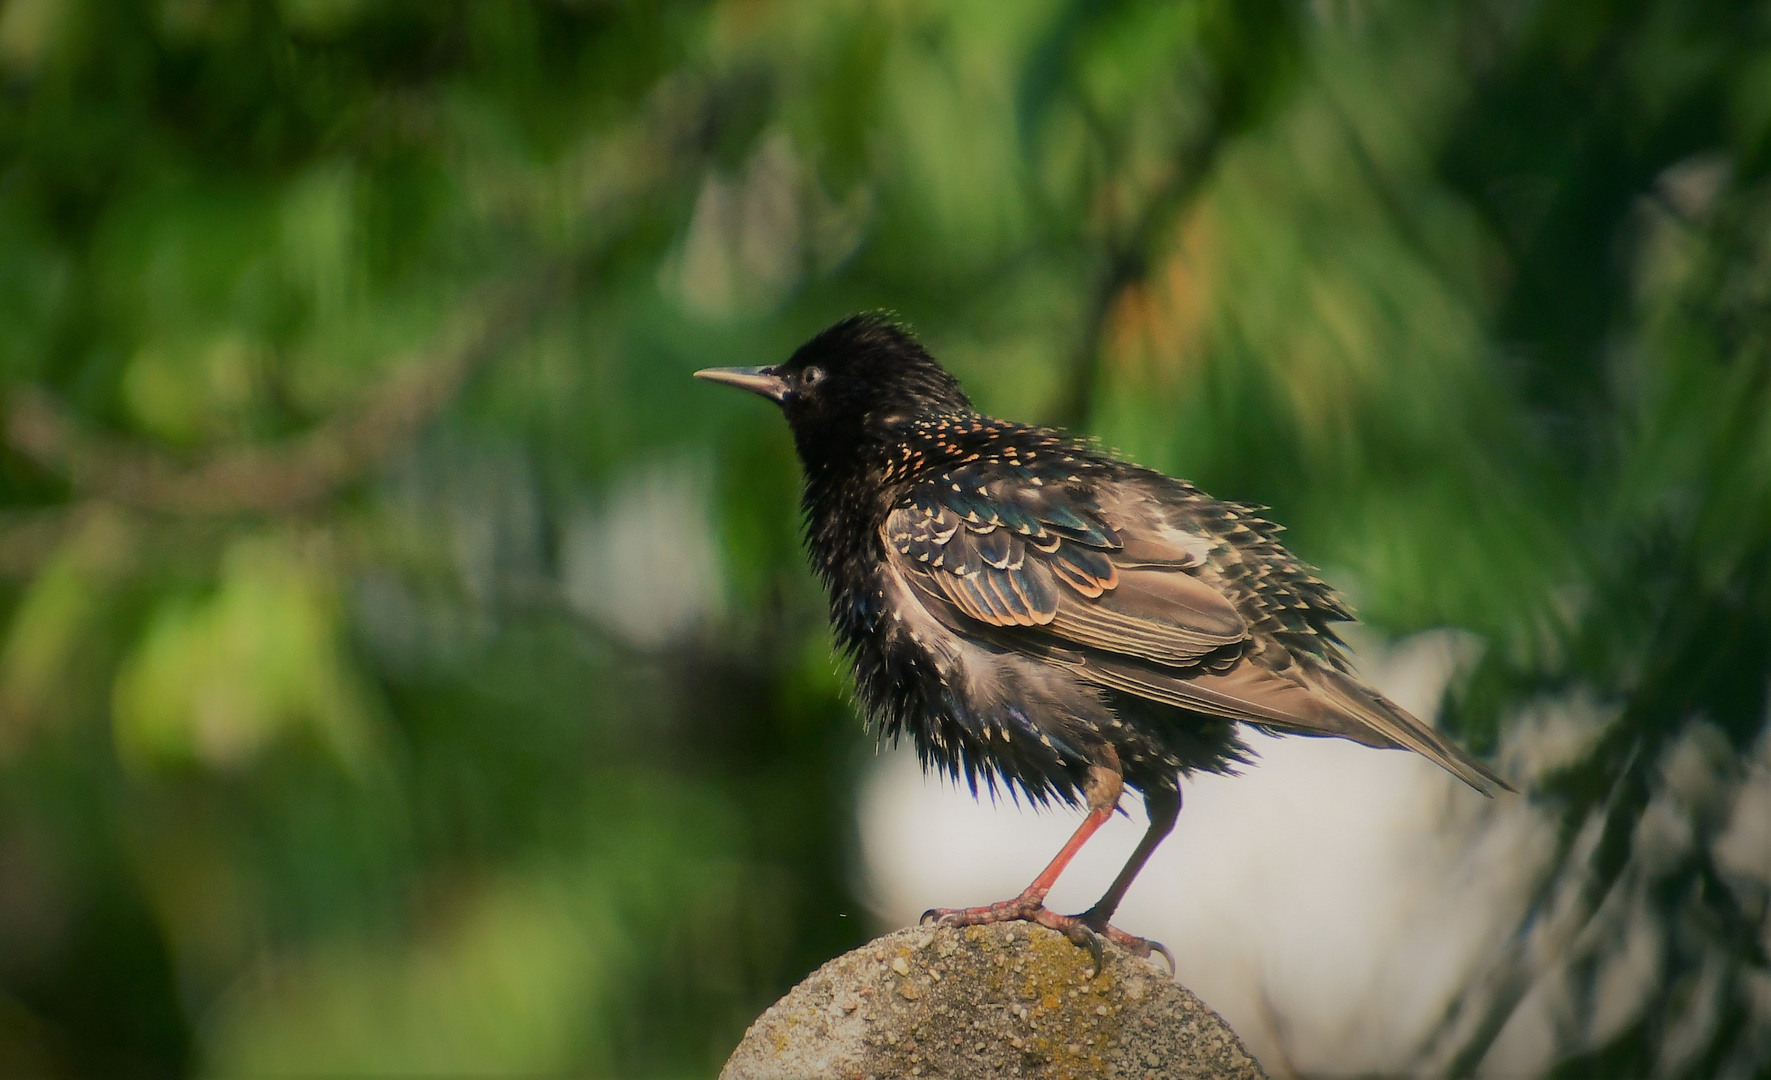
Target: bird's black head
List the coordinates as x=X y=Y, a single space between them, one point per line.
x=847 y=389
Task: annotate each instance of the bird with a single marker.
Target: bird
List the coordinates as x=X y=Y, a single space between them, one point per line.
x=1040 y=617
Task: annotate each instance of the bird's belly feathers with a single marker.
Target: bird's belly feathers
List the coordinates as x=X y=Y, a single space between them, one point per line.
x=973 y=709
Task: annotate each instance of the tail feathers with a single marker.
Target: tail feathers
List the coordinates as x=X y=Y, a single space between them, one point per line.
x=1306 y=699
x=1394 y=725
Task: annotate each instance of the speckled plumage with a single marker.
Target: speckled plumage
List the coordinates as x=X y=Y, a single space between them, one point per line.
x=995 y=527
x=1035 y=613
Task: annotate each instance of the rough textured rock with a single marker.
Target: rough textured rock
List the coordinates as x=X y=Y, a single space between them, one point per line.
x=1007 y=1000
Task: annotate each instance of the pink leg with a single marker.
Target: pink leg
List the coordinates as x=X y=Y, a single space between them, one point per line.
x=1103 y=789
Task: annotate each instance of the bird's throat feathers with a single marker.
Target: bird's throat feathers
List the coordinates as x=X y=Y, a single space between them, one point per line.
x=849 y=491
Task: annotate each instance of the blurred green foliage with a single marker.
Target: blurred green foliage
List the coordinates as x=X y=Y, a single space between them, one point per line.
x=406 y=670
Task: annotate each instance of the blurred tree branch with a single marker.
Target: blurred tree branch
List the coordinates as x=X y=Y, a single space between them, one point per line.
x=668 y=142
x=1249 y=54
x=27 y=537
x=1126 y=262
x=282 y=477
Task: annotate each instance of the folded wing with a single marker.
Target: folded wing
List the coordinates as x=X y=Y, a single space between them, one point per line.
x=1120 y=602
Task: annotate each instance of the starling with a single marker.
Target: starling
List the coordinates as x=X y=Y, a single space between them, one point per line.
x=1038 y=615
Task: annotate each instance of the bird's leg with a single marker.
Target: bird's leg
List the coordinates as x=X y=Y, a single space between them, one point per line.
x=1102 y=788
x=1163 y=806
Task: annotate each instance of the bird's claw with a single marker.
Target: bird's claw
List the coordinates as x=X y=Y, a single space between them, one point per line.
x=1081 y=929
x=1141 y=947
x=1157 y=946
x=1079 y=932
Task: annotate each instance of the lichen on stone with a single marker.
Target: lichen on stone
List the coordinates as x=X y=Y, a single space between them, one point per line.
x=1004 y=1000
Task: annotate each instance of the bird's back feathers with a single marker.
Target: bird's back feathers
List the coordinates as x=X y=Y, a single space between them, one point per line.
x=1136 y=584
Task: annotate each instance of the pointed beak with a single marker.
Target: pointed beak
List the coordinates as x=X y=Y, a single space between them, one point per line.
x=757 y=380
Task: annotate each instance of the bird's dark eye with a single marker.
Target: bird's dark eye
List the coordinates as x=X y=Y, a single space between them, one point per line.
x=811 y=376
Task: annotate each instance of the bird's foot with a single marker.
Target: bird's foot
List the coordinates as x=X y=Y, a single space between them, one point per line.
x=1026 y=907
x=1137 y=946
x=1029 y=907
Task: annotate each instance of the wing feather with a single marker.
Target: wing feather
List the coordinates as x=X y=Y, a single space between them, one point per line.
x=1042 y=567
x=1048 y=561
x=1168 y=617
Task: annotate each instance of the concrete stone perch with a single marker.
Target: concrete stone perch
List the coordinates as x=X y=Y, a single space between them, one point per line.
x=1004 y=1000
